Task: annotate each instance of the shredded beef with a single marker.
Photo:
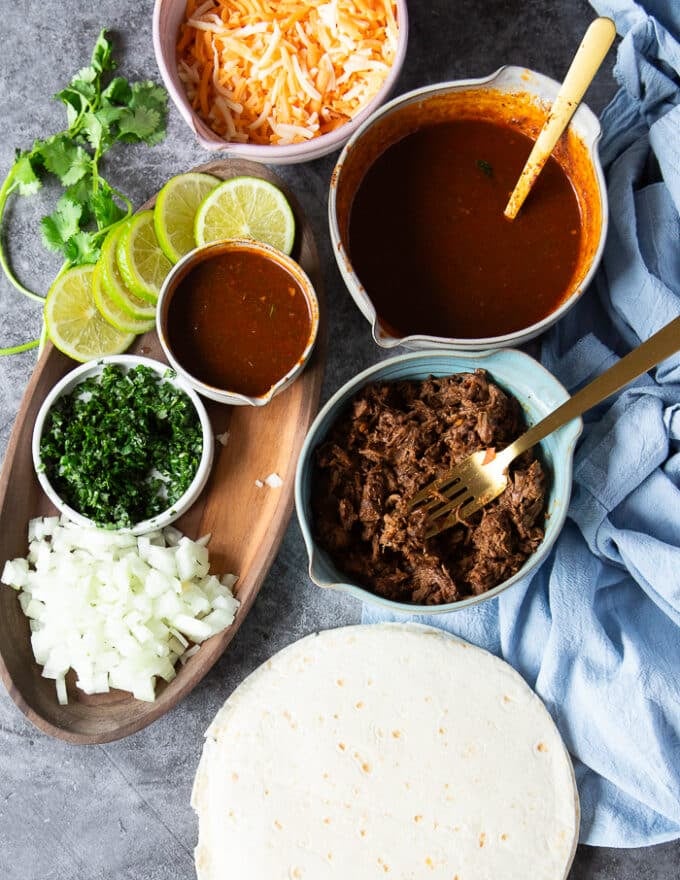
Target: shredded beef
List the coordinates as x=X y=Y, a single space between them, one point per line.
x=393 y=440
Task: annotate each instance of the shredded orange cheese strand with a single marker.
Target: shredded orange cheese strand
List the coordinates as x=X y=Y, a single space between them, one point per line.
x=284 y=71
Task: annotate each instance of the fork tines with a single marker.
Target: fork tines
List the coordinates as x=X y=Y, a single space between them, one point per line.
x=450 y=499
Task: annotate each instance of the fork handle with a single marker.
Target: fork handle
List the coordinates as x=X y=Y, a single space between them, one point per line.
x=657 y=348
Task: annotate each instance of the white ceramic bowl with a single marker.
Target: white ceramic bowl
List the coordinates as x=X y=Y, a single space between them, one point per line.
x=164 y=305
x=539 y=393
x=435 y=101
x=167 y=17
x=128 y=362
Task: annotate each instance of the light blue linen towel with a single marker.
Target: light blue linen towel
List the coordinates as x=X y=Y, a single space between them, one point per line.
x=596 y=631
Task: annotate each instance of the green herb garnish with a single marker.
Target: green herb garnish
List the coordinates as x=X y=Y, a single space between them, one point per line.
x=99 y=115
x=122 y=447
x=485 y=167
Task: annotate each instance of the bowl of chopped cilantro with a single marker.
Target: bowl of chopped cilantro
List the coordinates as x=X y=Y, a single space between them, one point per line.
x=122 y=443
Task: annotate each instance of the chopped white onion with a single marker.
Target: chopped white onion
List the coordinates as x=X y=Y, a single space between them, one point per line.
x=117 y=609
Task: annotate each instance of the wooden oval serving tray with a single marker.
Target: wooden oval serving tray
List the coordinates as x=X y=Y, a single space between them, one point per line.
x=246 y=521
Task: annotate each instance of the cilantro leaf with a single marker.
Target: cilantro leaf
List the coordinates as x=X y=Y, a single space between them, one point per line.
x=93 y=129
x=70 y=211
x=86 y=75
x=118 y=91
x=81 y=164
x=25 y=176
x=108 y=115
x=152 y=98
x=64 y=222
x=65 y=159
x=82 y=247
x=76 y=104
x=79 y=96
x=148 y=94
x=51 y=233
x=138 y=125
x=102 y=54
x=104 y=206
x=54 y=153
x=81 y=193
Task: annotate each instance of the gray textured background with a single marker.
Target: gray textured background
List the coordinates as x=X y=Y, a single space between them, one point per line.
x=122 y=810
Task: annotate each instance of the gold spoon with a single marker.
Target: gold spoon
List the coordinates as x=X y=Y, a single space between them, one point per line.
x=589 y=56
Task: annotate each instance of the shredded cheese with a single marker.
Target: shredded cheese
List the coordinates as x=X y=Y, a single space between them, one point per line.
x=284 y=71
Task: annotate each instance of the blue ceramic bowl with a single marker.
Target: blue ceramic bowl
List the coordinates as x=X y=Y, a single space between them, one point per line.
x=539 y=393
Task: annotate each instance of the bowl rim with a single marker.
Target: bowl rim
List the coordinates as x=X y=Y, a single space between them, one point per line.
x=94 y=367
x=315 y=147
x=583 y=117
x=198 y=255
x=509 y=359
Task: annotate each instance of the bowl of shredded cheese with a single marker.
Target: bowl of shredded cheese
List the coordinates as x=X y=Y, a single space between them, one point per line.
x=278 y=82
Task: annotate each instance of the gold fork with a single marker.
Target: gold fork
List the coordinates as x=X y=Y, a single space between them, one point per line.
x=482 y=476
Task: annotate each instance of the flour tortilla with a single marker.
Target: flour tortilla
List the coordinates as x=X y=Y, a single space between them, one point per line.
x=384 y=751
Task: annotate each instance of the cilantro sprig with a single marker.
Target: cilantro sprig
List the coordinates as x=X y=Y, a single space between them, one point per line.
x=101 y=111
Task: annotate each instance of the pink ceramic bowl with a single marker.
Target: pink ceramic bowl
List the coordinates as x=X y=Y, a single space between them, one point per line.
x=167 y=17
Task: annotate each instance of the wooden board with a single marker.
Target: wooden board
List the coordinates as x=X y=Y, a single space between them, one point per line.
x=246 y=522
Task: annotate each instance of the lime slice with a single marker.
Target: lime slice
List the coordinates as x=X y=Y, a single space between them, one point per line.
x=175 y=212
x=246 y=207
x=73 y=323
x=142 y=263
x=112 y=281
x=109 y=308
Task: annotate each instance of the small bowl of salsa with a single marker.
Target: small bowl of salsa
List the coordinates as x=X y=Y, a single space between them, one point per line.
x=238 y=320
x=416 y=214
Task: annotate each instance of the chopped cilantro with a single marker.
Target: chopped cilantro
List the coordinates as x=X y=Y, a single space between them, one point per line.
x=122 y=447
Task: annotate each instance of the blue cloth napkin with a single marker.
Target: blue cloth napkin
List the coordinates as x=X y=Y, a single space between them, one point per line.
x=596 y=632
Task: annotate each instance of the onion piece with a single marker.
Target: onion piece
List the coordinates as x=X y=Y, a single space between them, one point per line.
x=119 y=610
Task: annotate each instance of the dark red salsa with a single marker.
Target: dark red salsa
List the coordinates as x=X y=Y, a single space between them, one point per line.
x=429 y=242
x=239 y=321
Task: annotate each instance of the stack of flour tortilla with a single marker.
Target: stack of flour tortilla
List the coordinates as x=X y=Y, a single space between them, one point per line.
x=390 y=751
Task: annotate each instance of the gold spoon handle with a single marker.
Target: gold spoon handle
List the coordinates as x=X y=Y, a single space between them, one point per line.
x=657 y=348
x=589 y=56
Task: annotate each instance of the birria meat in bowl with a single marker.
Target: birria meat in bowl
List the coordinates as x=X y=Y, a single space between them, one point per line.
x=395 y=428
x=416 y=214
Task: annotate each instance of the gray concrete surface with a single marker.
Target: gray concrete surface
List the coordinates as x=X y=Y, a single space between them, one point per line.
x=122 y=810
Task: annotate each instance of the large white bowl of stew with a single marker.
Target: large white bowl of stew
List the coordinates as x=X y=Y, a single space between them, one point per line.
x=416 y=214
